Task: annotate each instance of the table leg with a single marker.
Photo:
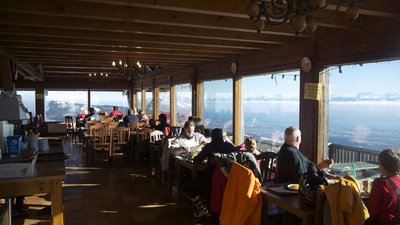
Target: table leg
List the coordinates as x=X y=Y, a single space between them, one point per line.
x=56 y=202
x=8 y=215
x=264 y=219
x=307 y=221
x=194 y=172
x=178 y=177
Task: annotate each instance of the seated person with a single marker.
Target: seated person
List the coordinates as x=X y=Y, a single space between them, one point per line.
x=116 y=113
x=383 y=200
x=199 y=127
x=217 y=145
x=152 y=123
x=291 y=163
x=163 y=125
x=143 y=118
x=131 y=117
x=249 y=145
x=187 y=140
x=91 y=116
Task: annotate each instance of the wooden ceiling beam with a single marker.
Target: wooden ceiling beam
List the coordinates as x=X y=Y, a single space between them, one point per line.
x=105 y=51
x=19 y=19
x=110 y=56
x=237 y=9
x=104 y=12
x=32 y=39
x=234 y=8
x=141 y=38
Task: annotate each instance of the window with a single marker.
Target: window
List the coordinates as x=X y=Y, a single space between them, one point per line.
x=149 y=103
x=164 y=101
x=138 y=100
x=270 y=105
x=364 y=105
x=28 y=99
x=104 y=101
x=61 y=103
x=183 y=99
x=218 y=104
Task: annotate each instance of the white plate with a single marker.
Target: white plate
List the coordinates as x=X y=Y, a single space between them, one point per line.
x=293 y=187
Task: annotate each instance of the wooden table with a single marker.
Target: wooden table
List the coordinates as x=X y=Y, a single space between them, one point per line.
x=194 y=168
x=290 y=203
x=48 y=179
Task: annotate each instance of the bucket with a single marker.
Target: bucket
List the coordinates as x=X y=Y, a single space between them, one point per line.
x=14 y=144
x=43 y=145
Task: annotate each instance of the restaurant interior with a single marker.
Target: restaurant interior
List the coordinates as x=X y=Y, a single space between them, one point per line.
x=146 y=47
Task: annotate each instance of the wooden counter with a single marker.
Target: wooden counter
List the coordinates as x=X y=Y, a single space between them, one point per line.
x=48 y=178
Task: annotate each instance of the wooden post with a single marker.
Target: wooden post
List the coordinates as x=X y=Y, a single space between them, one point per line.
x=237 y=111
x=172 y=107
x=312 y=110
x=5 y=73
x=156 y=100
x=143 y=105
x=56 y=202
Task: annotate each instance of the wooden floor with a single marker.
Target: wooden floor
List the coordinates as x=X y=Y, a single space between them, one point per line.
x=110 y=195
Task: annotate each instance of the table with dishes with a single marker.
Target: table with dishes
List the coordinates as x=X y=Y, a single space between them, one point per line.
x=182 y=162
x=285 y=197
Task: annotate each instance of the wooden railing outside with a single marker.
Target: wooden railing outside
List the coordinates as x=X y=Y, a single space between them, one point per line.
x=340 y=153
x=345 y=154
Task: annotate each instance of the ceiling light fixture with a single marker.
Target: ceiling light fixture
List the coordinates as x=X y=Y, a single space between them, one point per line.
x=98 y=76
x=125 y=69
x=300 y=14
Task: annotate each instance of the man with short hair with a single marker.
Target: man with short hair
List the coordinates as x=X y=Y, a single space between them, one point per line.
x=291 y=163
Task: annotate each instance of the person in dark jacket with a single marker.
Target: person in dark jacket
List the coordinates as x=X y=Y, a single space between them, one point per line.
x=163 y=125
x=132 y=117
x=217 y=145
x=291 y=163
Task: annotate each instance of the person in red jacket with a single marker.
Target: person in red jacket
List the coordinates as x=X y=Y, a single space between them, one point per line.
x=116 y=113
x=383 y=201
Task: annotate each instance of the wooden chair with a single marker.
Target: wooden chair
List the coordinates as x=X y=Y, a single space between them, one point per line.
x=105 y=119
x=111 y=124
x=142 y=142
x=69 y=127
x=175 y=131
x=136 y=126
x=91 y=122
x=94 y=126
x=121 y=136
x=156 y=144
x=101 y=141
x=267 y=165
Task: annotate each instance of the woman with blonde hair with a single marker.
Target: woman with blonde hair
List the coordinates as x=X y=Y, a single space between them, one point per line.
x=250 y=145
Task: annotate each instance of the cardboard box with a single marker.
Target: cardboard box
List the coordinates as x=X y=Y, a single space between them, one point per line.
x=18 y=167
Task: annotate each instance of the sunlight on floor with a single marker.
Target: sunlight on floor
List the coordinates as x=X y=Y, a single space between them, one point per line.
x=109 y=211
x=138 y=175
x=81 y=185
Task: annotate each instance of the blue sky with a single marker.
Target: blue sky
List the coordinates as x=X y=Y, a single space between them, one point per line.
x=383 y=77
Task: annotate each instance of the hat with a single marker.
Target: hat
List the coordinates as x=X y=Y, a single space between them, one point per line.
x=198 y=122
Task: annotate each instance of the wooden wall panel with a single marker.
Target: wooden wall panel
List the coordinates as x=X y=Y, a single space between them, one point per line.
x=359 y=47
x=162 y=80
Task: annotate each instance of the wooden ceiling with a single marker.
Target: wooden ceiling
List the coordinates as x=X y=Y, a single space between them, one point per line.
x=70 y=39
